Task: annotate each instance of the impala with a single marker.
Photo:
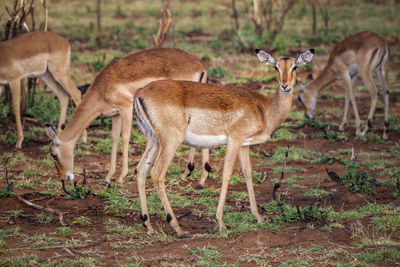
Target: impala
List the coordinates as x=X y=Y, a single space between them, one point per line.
x=45 y=55
x=112 y=94
x=204 y=116
x=362 y=53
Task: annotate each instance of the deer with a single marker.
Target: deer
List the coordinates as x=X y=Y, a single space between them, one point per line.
x=362 y=53
x=171 y=113
x=112 y=94
x=44 y=55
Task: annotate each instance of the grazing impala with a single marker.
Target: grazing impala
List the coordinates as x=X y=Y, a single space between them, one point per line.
x=204 y=116
x=45 y=55
x=363 y=53
x=112 y=94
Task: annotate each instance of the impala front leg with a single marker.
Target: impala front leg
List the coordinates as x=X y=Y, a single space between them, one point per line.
x=115 y=134
x=231 y=154
x=245 y=164
x=16 y=101
x=126 y=126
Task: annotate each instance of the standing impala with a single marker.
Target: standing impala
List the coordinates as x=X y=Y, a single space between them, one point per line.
x=363 y=53
x=204 y=116
x=112 y=94
x=45 y=55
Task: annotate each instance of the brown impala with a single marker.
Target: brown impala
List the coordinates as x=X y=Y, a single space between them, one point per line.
x=112 y=94
x=45 y=55
x=362 y=53
x=204 y=116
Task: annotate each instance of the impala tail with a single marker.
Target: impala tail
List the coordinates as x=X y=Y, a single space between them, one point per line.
x=143 y=119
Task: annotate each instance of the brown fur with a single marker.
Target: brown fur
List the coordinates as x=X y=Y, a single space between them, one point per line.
x=45 y=55
x=370 y=53
x=112 y=93
x=203 y=115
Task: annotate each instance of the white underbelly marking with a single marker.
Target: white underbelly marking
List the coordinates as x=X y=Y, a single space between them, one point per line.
x=204 y=141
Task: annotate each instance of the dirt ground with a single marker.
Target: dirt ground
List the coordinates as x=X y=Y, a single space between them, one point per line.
x=261 y=246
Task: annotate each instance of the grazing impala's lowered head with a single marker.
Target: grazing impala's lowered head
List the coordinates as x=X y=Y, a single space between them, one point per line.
x=285 y=67
x=61 y=155
x=307 y=98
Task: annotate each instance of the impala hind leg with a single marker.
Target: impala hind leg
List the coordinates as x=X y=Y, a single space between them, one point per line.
x=190 y=165
x=205 y=155
x=165 y=155
x=15 y=86
x=245 y=164
x=143 y=167
x=115 y=135
x=366 y=76
x=381 y=72
x=231 y=154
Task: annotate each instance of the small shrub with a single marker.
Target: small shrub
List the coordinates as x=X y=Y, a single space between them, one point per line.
x=44 y=218
x=357 y=180
x=83 y=221
x=217 y=72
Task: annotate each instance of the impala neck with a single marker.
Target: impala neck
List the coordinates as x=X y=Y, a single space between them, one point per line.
x=278 y=109
x=326 y=77
x=87 y=111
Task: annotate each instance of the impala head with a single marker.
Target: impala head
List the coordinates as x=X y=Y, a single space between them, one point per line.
x=285 y=67
x=307 y=98
x=62 y=155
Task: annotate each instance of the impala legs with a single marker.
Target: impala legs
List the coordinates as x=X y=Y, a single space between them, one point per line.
x=15 y=86
x=381 y=72
x=115 y=135
x=126 y=125
x=205 y=167
x=143 y=167
x=165 y=155
x=366 y=76
x=346 y=105
x=65 y=84
x=245 y=165
x=232 y=150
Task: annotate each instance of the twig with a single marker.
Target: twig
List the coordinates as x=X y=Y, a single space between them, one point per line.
x=84 y=245
x=35 y=206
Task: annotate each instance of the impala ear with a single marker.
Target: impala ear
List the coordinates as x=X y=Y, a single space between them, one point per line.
x=305 y=57
x=51 y=133
x=264 y=57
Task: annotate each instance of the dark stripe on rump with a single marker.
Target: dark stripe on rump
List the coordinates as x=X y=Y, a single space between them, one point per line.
x=201 y=77
x=373 y=55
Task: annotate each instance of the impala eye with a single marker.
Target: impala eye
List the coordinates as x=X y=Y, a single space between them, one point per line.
x=276 y=68
x=294 y=68
x=54 y=157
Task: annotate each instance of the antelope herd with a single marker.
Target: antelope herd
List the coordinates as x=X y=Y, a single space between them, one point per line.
x=167 y=89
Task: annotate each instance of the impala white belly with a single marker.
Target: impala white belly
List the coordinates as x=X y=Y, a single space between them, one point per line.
x=204 y=141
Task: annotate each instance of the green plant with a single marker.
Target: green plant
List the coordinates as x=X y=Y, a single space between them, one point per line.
x=207 y=256
x=15 y=214
x=44 y=218
x=357 y=180
x=82 y=220
x=217 y=72
x=64 y=231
